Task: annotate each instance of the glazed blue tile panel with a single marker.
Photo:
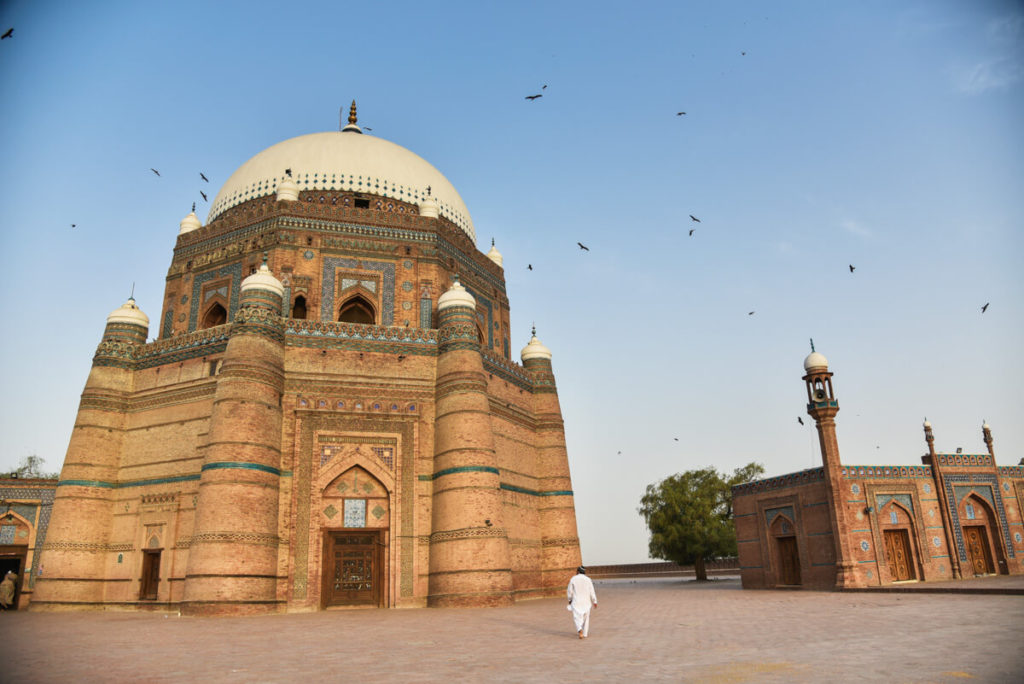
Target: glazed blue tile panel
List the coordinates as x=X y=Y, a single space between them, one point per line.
x=26 y=511
x=489 y=323
x=902 y=499
x=7 y=534
x=387 y=271
x=168 y=322
x=963 y=491
x=771 y=513
x=993 y=487
x=426 y=309
x=46 y=497
x=234 y=271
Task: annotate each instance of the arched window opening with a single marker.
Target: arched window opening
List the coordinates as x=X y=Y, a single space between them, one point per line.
x=357 y=310
x=299 y=307
x=215 y=315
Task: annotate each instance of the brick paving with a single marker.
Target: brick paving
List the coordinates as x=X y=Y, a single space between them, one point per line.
x=644 y=631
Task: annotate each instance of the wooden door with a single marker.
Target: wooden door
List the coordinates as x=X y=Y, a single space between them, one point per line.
x=978 y=553
x=353 y=570
x=897 y=553
x=150 y=575
x=789 y=561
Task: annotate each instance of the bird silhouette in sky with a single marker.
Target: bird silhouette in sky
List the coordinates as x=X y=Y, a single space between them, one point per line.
x=743 y=54
x=544 y=87
x=984 y=308
x=800 y=420
x=852 y=268
x=288 y=172
x=204 y=177
x=583 y=246
x=529 y=267
x=751 y=313
x=154 y=170
x=676 y=438
x=680 y=113
x=694 y=218
x=8 y=34
x=692 y=231
x=531 y=98
x=204 y=196
x=72 y=225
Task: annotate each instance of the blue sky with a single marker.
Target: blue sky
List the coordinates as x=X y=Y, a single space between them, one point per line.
x=879 y=134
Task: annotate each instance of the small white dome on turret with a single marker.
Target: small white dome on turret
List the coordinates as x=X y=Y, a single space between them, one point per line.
x=495 y=256
x=535 y=350
x=287 y=190
x=129 y=312
x=927 y=424
x=985 y=425
x=189 y=223
x=263 y=279
x=815 y=360
x=457 y=295
x=428 y=207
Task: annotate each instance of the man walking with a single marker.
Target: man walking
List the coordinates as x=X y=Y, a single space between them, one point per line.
x=581 y=599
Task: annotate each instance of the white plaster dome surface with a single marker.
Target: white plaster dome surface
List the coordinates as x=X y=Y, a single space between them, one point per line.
x=535 y=350
x=129 y=312
x=263 y=279
x=815 y=360
x=189 y=223
x=456 y=295
x=337 y=160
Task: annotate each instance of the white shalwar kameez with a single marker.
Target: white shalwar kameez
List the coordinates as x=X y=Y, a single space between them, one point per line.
x=581 y=599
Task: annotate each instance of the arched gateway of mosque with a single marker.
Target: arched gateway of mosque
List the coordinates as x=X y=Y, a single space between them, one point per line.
x=330 y=415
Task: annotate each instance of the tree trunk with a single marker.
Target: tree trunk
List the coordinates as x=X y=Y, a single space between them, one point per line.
x=702 y=572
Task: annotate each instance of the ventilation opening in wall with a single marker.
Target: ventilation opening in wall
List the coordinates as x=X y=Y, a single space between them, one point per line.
x=362 y=203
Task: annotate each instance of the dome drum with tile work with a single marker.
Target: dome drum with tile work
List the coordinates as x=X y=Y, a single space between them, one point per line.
x=344 y=161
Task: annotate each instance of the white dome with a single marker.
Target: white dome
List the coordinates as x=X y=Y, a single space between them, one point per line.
x=456 y=296
x=287 y=190
x=129 y=312
x=495 y=256
x=338 y=160
x=815 y=360
x=189 y=223
x=263 y=279
x=535 y=350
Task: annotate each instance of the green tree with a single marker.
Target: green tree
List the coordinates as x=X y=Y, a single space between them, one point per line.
x=32 y=467
x=690 y=515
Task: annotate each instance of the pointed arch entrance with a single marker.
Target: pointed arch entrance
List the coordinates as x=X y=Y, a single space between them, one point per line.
x=787 y=556
x=356 y=510
x=897 y=526
x=981 y=536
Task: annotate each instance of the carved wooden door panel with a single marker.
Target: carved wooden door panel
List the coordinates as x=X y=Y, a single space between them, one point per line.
x=978 y=552
x=789 y=561
x=897 y=553
x=352 y=570
x=150 y=575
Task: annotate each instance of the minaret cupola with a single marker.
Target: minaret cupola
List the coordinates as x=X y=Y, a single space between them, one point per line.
x=190 y=222
x=494 y=255
x=535 y=349
x=818 y=378
x=287 y=189
x=456 y=295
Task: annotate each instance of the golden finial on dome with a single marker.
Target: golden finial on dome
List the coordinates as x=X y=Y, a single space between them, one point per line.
x=352 y=113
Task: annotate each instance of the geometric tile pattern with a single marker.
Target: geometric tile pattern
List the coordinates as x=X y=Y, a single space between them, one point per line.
x=387 y=270
x=46 y=507
x=955 y=514
x=771 y=513
x=233 y=270
x=902 y=499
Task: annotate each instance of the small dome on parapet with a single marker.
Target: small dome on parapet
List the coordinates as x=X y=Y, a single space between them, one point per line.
x=815 y=360
x=287 y=190
x=189 y=223
x=428 y=207
x=263 y=279
x=495 y=256
x=456 y=295
x=129 y=312
x=535 y=350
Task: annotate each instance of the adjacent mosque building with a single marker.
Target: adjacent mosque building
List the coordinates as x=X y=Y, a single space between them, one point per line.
x=330 y=415
x=956 y=516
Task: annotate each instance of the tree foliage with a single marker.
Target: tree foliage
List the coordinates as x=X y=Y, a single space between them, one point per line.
x=690 y=515
x=32 y=467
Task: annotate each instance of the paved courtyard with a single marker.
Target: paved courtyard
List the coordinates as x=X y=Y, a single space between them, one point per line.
x=643 y=631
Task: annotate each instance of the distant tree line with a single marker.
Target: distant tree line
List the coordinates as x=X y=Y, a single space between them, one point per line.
x=31 y=467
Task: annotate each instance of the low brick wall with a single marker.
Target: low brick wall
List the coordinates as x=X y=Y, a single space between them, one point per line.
x=722 y=566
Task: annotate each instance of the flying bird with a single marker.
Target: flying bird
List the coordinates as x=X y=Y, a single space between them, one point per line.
x=544 y=87
x=680 y=113
x=800 y=420
x=531 y=98
x=751 y=313
x=984 y=307
x=852 y=268
x=583 y=246
x=72 y=225
x=154 y=171
x=367 y=128
x=694 y=218
x=204 y=177
x=692 y=231
x=288 y=172
x=676 y=438
x=529 y=267
x=744 y=54
x=193 y=207
x=204 y=196
x=10 y=32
